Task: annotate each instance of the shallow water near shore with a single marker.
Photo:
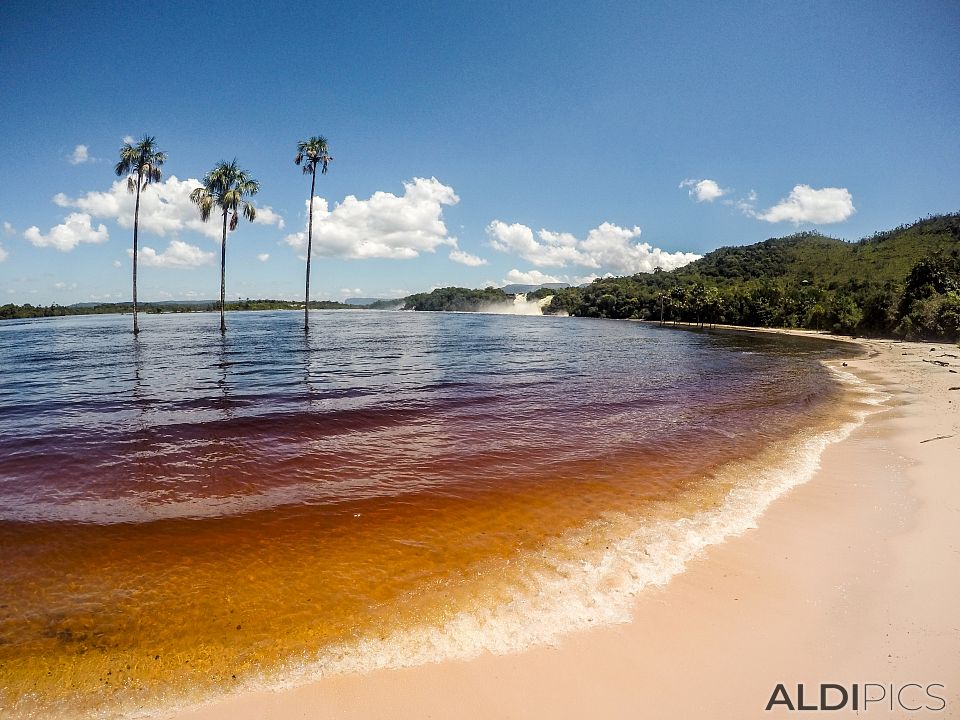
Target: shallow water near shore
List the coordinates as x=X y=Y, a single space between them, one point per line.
x=185 y=514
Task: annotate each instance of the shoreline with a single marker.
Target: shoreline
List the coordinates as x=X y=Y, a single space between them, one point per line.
x=846 y=579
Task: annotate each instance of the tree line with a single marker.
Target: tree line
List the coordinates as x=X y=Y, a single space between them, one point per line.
x=901 y=283
x=11 y=311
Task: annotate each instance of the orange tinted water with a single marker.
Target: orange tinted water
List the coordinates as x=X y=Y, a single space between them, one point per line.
x=171 y=532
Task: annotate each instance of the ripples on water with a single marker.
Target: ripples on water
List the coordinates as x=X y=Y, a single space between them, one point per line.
x=184 y=512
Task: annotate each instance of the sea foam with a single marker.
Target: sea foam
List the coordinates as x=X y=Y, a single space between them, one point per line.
x=564 y=590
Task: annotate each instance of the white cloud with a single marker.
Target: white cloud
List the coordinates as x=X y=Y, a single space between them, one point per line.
x=383 y=226
x=531 y=277
x=612 y=247
x=267 y=216
x=65 y=286
x=607 y=246
x=117 y=263
x=165 y=207
x=79 y=155
x=351 y=292
x=128 y=139
x=551 y=250
x=747 y=204
x=8 y=229
x=75 y=229
x=263 y=257
x=3 y=254
x=703 y=190
x=178 y=255
x=805 y=204
x=465 y=258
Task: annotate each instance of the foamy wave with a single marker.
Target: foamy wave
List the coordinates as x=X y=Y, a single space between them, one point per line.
x=568 y=593
x=869 y=394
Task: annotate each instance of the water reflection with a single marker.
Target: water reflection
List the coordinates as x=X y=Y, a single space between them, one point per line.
x=366 y=402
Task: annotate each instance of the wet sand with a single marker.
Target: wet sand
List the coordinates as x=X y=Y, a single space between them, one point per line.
x=849 y=578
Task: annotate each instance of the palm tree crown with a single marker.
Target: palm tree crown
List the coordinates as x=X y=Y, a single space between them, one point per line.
x=141 y=164
x=226 y=188
x=311 y=154
x=143 y=160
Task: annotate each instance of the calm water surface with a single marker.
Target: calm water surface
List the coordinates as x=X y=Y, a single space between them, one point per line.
x=184 y=514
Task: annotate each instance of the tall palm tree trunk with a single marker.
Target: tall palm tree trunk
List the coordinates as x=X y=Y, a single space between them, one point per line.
x=306 y=304
x=223 y=273
x=136 y=227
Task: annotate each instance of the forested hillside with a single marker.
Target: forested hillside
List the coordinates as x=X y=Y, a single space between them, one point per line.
x=903 y=282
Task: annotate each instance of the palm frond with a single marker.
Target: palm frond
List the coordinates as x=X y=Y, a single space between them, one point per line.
x=142 y=158
x=225 y=187
x=249 y=211
x=203 y=199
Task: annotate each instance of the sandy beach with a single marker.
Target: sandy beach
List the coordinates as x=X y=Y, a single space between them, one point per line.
x=851 y=578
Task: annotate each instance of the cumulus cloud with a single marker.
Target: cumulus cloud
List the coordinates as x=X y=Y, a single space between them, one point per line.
x=382 y=226
x=117 y=263
x=165 y=208
x=3 y=254
x=465 y=258
x=806 y=204
x=263 y=257
x=530 y=277
x=267 y=216
x=79 y=155
x=178 y=254
x=74 y=230
x=550 y=250
x=704 y=190
x=607 y=246
x=8 y=229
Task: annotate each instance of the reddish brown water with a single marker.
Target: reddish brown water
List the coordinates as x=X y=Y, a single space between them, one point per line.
x=184 y=515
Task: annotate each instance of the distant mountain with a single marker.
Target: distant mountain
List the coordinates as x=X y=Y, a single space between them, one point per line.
x=514 y=289
x=363 y=301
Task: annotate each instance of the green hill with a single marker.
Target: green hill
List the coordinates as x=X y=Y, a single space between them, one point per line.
x=828 y=261
x=903 y=282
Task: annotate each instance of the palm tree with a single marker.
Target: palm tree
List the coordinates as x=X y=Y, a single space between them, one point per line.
x=311 y=154
x=225 y=188
x=141 y=164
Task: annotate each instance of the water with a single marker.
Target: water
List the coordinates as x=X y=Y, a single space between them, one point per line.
x=185 y=514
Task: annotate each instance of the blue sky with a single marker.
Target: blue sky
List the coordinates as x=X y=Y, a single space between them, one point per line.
x=545 y=140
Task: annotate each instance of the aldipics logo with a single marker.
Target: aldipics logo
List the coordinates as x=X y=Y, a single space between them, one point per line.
x=879 y=697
